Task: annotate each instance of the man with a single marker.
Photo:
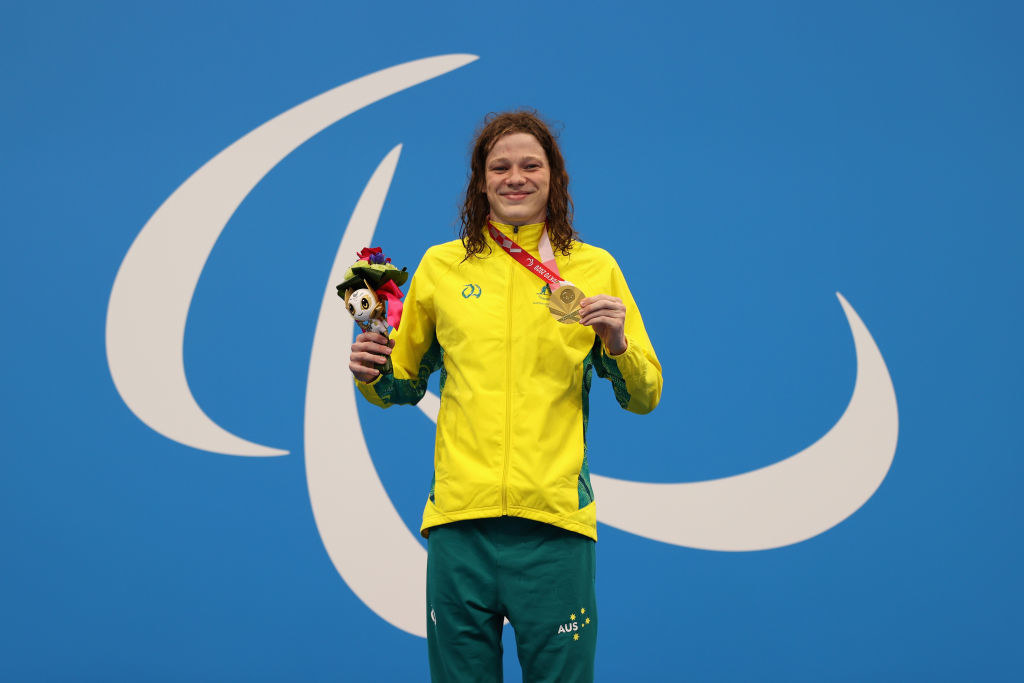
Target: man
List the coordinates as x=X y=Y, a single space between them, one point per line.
x=510 y=515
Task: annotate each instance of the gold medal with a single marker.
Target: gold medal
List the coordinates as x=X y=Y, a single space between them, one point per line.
x=565 y=304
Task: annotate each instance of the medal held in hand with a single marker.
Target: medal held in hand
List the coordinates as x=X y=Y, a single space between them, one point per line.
x=565 y=296
x=371 y=294
x=565 y=304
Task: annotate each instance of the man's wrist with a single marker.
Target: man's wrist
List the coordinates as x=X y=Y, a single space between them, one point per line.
x=618 y=347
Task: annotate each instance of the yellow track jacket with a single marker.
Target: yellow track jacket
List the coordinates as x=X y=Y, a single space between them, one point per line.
x=511 y=433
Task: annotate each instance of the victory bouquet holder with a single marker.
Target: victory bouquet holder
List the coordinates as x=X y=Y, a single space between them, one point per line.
x=371 y=293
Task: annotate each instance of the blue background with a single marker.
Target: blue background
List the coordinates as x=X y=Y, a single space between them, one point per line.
x=743 y=161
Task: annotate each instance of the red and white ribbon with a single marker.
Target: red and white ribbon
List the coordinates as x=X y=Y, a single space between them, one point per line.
x=545 y=267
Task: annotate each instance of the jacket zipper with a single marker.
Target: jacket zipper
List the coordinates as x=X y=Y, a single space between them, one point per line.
x=508 y=387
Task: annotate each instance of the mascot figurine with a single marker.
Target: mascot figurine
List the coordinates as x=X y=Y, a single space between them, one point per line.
x=371 y=294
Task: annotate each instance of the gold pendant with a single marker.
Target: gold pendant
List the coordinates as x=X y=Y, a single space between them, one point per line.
x=565 y=304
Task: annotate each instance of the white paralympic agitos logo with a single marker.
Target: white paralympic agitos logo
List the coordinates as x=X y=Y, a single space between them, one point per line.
x=380 y=558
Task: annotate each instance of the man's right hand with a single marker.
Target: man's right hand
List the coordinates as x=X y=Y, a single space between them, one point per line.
x=369 y=351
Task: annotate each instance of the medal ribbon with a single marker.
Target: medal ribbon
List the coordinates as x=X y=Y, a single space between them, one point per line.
x=546 y=270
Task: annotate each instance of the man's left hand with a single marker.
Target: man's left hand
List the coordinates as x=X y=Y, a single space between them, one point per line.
x=607 y=315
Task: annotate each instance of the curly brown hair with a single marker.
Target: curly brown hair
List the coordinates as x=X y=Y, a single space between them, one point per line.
x=475 y=208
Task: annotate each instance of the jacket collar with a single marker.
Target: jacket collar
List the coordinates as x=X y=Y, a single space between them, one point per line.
x=526 y=236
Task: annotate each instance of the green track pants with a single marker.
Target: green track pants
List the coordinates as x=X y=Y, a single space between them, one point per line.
x=539 y=576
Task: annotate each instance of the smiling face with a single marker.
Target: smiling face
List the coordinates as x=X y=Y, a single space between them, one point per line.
x=361 y=304
x=517 y=179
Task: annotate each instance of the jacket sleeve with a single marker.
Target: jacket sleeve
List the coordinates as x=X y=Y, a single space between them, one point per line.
x=416 y=353
x=635 y=373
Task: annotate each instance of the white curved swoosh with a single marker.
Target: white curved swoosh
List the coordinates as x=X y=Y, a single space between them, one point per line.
x=369 y=544
x=783 y=503
x=153 y=289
